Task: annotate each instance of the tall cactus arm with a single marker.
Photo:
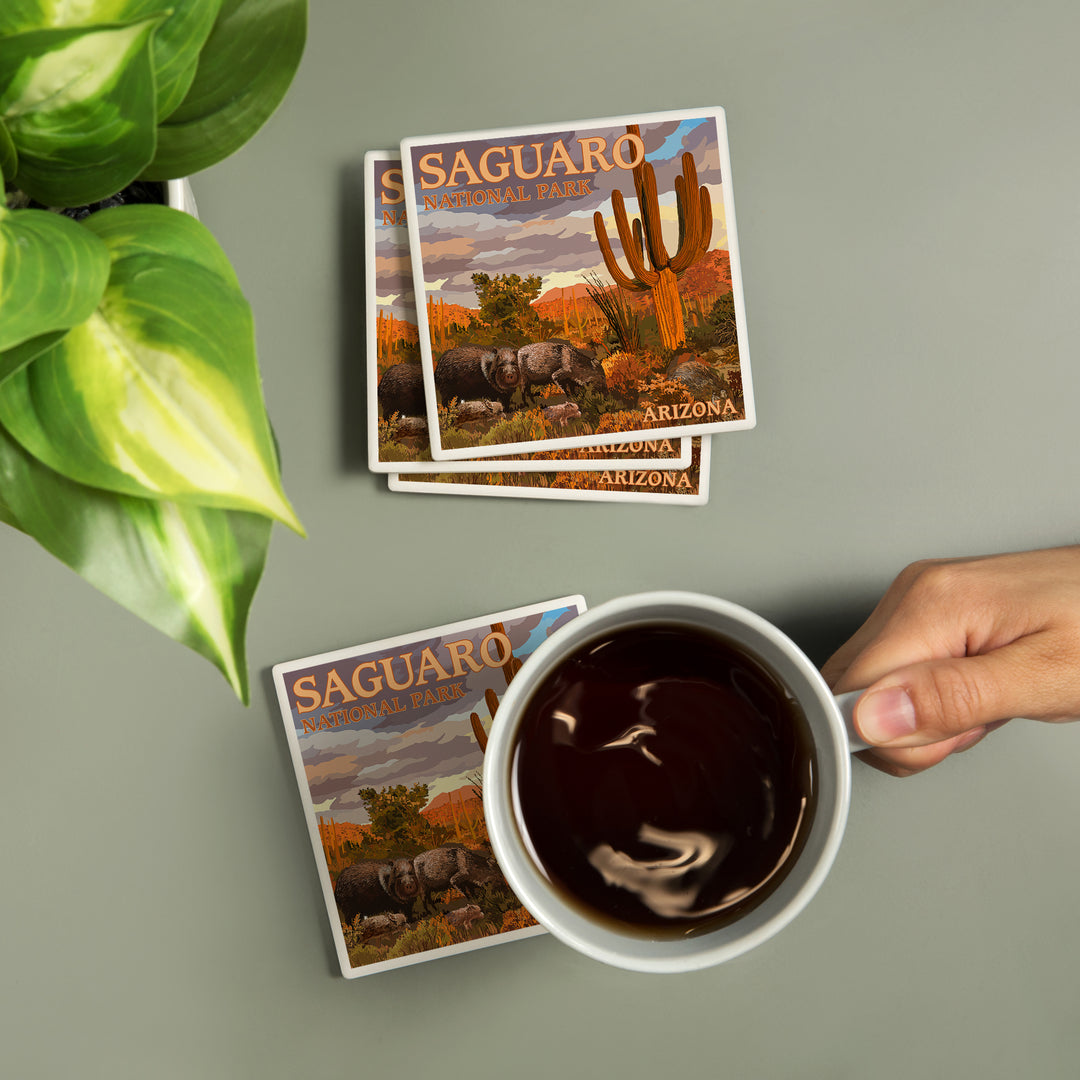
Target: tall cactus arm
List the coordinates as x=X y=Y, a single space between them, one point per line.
x=630 y=236
x=706 y=220
x=649 y=201
x=695 y=217
x=644 y=177
x=610 y=261
x=635 y=129
x=688 y=224
x=478 y=731
x=639 y=242
x=640 y=190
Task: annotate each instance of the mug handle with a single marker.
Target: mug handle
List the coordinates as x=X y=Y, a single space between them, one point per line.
x=846 y=704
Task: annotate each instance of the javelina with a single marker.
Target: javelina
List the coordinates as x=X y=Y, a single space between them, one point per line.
x=410 y=427
x=456 y=866
x=464 y=916
x=371 y=887
x=374 y=925
x=559 y=415
x=401 y=391
x=405 y=885
x=559 y=362
x=471 y=371
x=478 y=410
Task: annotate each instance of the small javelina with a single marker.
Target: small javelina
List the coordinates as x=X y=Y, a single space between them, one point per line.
x=464 y=916
x=559 y=415
x=371 y=887
x=478 y=410
x=401 y=391
x=375 y=925
x=469 y=372
x=456 y=866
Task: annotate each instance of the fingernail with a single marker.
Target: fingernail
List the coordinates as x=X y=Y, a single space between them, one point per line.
x=886 y=715
x=969 y=739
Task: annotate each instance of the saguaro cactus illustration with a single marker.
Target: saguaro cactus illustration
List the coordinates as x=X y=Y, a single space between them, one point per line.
x=651 y=267
x=510 y=667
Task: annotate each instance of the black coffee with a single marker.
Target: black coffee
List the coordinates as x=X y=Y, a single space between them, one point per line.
x=665 y=779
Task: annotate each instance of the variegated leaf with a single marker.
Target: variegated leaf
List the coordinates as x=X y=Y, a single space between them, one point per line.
x=79 y=106
x=245 y=68
x=189 y=571
x=52 y=275
x=176 y=44
x=148 y=229
x=18 y=356
x=9 y=157
x=157 y=394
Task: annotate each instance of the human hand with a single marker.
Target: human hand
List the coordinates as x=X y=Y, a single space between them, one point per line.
x=957 y=647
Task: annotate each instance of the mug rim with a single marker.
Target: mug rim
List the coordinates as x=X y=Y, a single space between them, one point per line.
x=634 y=950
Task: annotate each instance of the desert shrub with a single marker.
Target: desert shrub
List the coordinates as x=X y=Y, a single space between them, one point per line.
x=593 y=406
x=432 y=933
x=495 y=900
x=395 y=451
x=448 y=416
x=392 y=450
x=627 y=373
x=721 y=319
x=700 y=337
x=668 y=392
x=617 y=422
x=438 y=478
x=365 y=954
x=719 y=328
x=507 y=479
x=525 y=425
x=457 y=439
x=516 y=919
x=506 y=299
x=624 y=324
x=734 y=382
x=360 y=952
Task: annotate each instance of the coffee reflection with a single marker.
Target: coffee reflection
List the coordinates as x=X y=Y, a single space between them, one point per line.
x=664 y=779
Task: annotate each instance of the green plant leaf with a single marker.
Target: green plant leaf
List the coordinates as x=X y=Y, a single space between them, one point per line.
x=189 y=571
x=176 y=44
x=53 y=273
x=157 y=394
x=245 y=68
x=19 y=15
x=9 y=158
x=79 y=106
x=17 y=357
x=144 y=229
x=7 y=515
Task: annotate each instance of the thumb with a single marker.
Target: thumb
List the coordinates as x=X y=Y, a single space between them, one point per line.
x=939 y=699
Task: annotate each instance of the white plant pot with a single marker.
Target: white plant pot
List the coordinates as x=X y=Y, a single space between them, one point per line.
x=178 y=194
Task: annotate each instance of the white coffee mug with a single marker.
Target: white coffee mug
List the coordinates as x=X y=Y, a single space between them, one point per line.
x=829 y=720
